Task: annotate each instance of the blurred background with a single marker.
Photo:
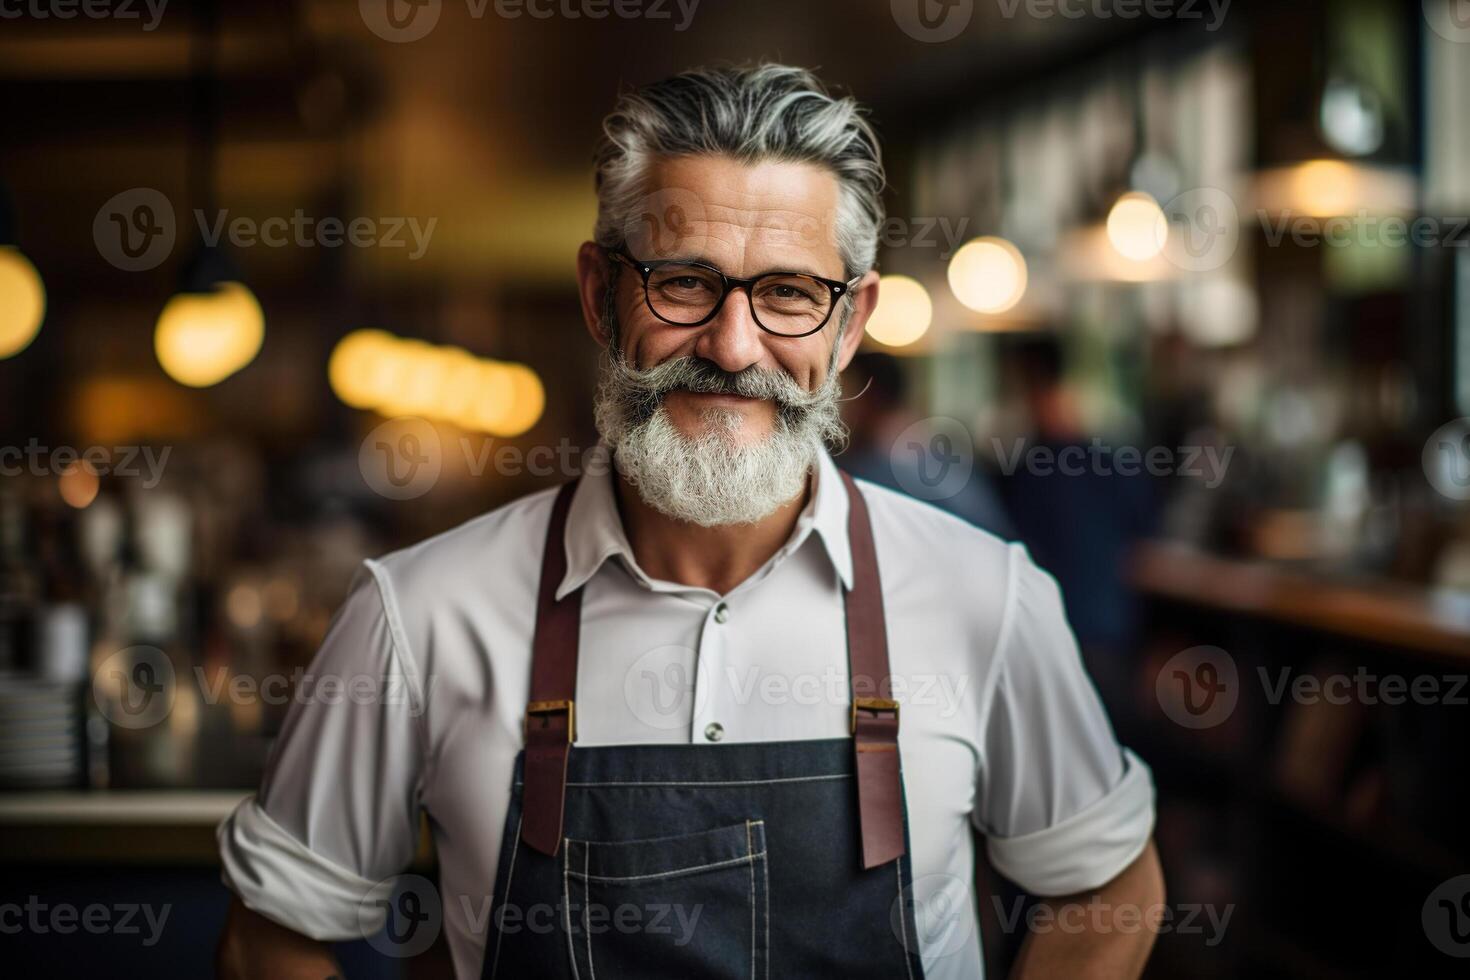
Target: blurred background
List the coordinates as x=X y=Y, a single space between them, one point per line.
x=1177 y=294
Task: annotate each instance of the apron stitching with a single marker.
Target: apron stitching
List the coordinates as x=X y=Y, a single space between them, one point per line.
x=903 y=920
x=587 y=900
x=509 y=877
x=566 y=897
x=750 y=850
x=669 y=874
x=766 y=894
x=721 y=782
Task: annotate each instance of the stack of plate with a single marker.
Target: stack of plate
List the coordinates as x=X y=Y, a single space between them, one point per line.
x=41 y=733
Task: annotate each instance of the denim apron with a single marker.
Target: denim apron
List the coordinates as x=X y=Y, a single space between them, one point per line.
x=740 y=861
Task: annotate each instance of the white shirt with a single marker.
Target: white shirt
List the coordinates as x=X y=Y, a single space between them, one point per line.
x=999 y=723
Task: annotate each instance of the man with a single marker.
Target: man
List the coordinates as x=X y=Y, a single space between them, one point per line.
x=759 y=706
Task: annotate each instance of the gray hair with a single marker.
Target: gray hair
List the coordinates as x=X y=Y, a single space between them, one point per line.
x=750 y=113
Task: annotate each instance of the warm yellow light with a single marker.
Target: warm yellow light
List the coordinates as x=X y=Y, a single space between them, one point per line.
x=1137 y=227
x=22 y=301
x=79 y=484
x=422 y=370
x=1324 y=188
x=903 y=314
x=397 y=377
x=988 y=275
x=203 y=338
x=528 y=401
x=354 y=363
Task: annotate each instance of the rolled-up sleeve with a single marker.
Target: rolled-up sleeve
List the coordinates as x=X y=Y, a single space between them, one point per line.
x=1065 y=808
x=337 y=811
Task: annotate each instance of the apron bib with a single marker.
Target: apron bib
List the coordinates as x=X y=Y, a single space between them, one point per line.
x=738 y=861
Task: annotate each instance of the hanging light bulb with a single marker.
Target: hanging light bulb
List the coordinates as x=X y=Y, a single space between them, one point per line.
x=988 y=275
x=204 y=337
x=22 y=301
x=1137 y=226
x=903 y=314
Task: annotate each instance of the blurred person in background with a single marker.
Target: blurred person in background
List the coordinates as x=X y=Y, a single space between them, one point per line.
x=877 y=414
x=1079 y=522
x=575 y=716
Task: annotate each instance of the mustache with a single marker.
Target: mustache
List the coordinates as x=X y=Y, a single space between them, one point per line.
x=649 y=386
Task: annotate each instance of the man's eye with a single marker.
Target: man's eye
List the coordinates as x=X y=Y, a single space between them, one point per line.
x=687 y=282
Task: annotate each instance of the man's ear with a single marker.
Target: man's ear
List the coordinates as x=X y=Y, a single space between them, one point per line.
x=864 y=299
x=594 y=273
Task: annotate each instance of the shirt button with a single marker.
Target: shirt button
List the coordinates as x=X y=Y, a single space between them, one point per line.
x=714 y=731
x=722 y=613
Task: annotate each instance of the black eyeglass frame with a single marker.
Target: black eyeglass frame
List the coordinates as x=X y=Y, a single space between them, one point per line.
x=729 y=284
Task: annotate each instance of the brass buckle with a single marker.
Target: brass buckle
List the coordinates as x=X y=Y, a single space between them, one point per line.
x=872 y=704
x=551 y=708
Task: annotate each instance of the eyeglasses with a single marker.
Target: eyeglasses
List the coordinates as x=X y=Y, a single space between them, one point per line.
x=689 y=294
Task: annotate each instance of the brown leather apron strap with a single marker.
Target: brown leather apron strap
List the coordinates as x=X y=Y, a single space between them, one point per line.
x=551 y=713
x=874 y=712
x=551 y=717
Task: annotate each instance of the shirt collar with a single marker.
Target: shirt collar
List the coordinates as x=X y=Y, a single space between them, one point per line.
x=595 y=529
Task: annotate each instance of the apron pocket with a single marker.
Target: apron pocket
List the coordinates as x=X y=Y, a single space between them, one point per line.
x=669 y=907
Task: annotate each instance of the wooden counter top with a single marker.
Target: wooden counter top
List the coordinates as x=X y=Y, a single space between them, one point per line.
x=1396 y=614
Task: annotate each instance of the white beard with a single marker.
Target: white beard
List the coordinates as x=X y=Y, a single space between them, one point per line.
x=713 y=479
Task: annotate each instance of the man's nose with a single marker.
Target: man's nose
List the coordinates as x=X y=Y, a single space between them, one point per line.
x=732 y=340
